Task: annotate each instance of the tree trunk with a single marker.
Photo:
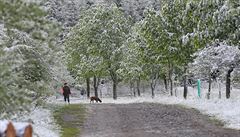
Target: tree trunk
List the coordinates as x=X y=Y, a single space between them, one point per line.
x=114 y=89
x=154 y=82
x=95 y=85
x=219 y=90
x=88 y=87
x=138 y=86
x=185 y=90
x=115 y=82
x=228 y=83
x=131 y=85
x=143 y=87
x=152 y=89
x=209 y=85
x=170 y=77
x=175 y=92
x=165 y=83
x=153 y=85
x=134 y=89
x=171 y=86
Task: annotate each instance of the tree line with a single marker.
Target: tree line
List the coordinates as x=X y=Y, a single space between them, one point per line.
x=163 y=45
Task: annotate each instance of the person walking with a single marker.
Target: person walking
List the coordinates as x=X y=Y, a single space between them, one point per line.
x=82 y=93
x=66 y=92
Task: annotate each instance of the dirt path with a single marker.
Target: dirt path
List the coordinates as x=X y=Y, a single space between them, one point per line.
x=149 y=120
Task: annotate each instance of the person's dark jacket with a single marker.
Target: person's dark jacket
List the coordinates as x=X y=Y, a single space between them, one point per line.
x=66 y=90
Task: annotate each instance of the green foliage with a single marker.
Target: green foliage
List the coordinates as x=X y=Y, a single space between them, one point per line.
x=17 y=14
x=28 y=17
x=173 y=34
x=132 y=63
x=226 y=22
x=21 y=82
x=94 y=43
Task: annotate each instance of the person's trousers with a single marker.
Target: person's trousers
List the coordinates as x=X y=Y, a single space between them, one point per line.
x=66 y=98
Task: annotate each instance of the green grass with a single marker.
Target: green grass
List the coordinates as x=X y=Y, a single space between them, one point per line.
x=211 y=119
x=70 y=118
x=216 y=121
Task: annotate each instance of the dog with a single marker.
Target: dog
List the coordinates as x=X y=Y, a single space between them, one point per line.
x=95 y=98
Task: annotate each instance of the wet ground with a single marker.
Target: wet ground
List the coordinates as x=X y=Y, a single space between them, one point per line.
x=150 y=120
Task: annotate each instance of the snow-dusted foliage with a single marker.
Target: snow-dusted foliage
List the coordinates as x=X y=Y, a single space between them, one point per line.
x=93 y=45
x=23 y=75
x=28 y=53
x=67 y=11
x=226 y=22
x=180 y=28
x=132 y=64
x=219 y=57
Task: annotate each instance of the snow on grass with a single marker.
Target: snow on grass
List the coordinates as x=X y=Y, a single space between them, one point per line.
x=43 y=124
x=3 y=126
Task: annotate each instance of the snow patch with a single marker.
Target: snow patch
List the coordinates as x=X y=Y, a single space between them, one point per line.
x=43 y=123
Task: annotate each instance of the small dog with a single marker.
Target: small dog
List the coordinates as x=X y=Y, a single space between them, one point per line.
x=95 y=98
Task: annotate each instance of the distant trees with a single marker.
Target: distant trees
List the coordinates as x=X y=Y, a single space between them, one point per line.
x=160 y=46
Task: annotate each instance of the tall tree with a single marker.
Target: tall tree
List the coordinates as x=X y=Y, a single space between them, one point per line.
x=132 y=64
x=102 y=30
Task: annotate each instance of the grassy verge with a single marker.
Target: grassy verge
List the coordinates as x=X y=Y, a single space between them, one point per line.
x=211 y=119
x=216 y=121
x=70 y=118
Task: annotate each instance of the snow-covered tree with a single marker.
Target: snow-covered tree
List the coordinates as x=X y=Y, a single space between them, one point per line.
x=97 y=39
x=166 y=31
x=132 y=64
x=217 y=57
x=226 y=22
x=27 y=54
x=219 y=22
x=151 y=32
x=23 y=74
